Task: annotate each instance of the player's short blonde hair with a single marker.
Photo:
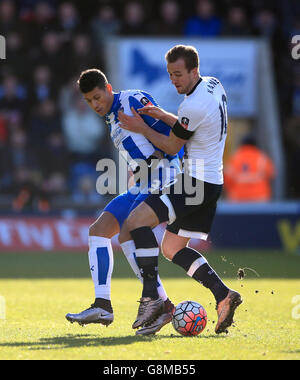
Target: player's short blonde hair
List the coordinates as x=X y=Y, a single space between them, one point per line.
x=188 y=53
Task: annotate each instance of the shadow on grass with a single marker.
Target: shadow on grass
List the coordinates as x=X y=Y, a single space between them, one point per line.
x=87 y=340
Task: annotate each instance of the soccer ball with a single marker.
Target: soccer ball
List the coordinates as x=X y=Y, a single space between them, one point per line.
x=189 y=318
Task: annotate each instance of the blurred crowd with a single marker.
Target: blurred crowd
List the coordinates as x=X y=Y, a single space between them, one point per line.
x=50 y=141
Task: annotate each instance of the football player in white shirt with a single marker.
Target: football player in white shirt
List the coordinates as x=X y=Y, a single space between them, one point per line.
x=201 y=127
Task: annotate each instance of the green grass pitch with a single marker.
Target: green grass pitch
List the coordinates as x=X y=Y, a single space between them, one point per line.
x=39 y=289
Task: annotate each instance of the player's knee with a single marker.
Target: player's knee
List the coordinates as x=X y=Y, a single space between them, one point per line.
x=170 y=246
x=167 y=251
x=124 y=234
x=120 y=237
x=132 y=223
x=105 y=226
x=93 y=230
x=97 y=229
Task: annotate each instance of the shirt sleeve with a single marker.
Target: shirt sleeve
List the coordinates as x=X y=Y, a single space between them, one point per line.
x=189 y=119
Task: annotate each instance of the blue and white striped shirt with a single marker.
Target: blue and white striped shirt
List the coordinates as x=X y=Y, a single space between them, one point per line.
x=133 y=145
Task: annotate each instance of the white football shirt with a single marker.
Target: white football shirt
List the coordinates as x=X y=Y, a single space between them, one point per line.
x=204 y=112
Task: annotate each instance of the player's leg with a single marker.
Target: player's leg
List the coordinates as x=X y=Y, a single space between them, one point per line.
x=173 y=207
x=172 y=245
x=140 y=223
x=129 y=250
x=101 y=255
x=128 y=247
x=153 y=211
x=101 y=266
x=197 y=267
x=175 y=248
x=197 y=225
x=125 y=239
x=165 y=317
x=115 y=214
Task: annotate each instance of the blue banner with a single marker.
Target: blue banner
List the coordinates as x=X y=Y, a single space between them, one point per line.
x=139 y=63
x=257 y=226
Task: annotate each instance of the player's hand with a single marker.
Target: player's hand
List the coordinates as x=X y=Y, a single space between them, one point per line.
x=153 y=111
x=133 y=123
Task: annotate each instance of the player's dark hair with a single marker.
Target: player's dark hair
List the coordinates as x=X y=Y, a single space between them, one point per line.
x=90 y=79
x=188 y=53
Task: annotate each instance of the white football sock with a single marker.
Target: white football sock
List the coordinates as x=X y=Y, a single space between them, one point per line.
x=129 y=249
x=101 y=261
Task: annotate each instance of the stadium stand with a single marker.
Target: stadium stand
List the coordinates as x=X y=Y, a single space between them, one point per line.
x=45 y=163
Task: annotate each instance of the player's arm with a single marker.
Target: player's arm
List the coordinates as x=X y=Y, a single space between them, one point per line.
x=169 y=144
x=158 y=113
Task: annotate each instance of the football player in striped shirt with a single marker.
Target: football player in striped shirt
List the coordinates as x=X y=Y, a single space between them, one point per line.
x=99 y=94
